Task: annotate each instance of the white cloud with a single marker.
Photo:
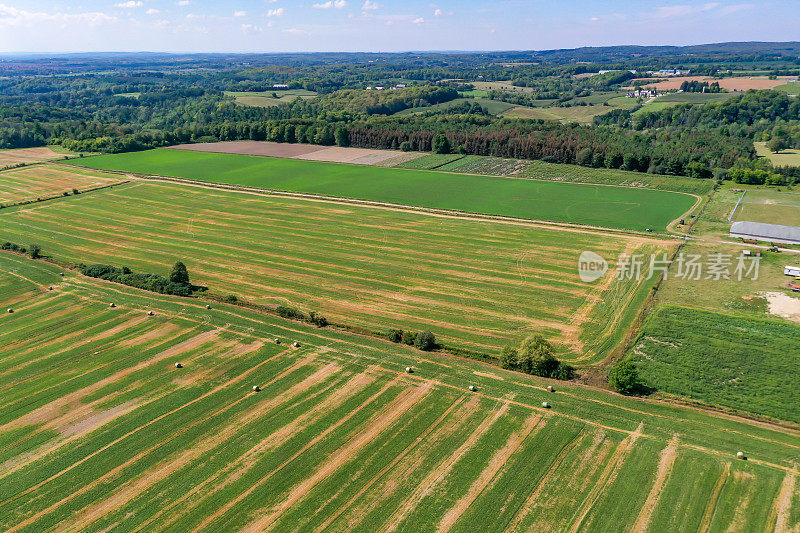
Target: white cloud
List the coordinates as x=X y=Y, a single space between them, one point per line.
x=250 y=27
x=192 y=16
x=11 y=16
x=675 y=11
x=335 y=4
x=240 y=13
x=438 y=13
x=183 y=2
x=418 y=20
x=152 y=11
x=130 y=4
x=370 y=6
x=295 y=31
x=275 y=12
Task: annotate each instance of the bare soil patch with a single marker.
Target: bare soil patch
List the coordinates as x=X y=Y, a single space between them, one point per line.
x=781 y=304
x=731 y=84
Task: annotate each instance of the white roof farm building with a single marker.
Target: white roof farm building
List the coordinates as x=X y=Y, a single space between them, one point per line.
x=766 y=232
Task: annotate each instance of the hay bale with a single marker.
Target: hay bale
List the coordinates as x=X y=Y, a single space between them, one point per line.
x=50 y=288
x=409 y=370
x=277 y=341
x=473 y=388
x=546 y=405
x=740 y=455
x=550 y=388
x=62 y=274
x=112 y=305
x=10 y=310
x=208 y=306
x=256 y=388
x=296 y=344
x=178 y=365
x=150 y=313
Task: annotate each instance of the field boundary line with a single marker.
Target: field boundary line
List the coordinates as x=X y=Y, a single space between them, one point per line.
x=733 y=213
x=781 y=509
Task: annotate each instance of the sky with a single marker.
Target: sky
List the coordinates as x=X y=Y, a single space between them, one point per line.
x=382 y=25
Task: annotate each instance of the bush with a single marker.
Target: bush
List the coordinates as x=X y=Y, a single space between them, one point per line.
x=318 y=320
x=624 y=377
x=231 y=298
x=284 y=311
x=395 y=335
x=409 y=337
x=509 y=358
x=149 y=282
x=35 y=251
x=425 y=341
x=441 y=145
x=405 y=146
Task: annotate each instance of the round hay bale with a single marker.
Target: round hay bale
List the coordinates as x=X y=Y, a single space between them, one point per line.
x=550 y=388
x=277 y=341
x=208 y=306
x=546 y=405
x=473 y=388
x=112 y=305
x=61 y=274
x=296 y=344
x=150 y=313
x=50 y=288
x=256 y=388
x=409 y=370
x=740 y=455
x=10 y=310
x=178 y=365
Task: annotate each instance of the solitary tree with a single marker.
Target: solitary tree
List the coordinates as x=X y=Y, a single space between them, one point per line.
x=35 y=251
x=624 y=377
x=778 y=144
x=179 y=274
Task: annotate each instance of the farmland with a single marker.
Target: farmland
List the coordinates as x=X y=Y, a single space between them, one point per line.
x=45 y=181
x=770 y=206
x=616 y=207
x=24 y=156
x=339 y=438
x=266 y=98
x=351 y=263
x=672 y=99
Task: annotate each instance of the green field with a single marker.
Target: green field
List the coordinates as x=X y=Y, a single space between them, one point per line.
x=577 y=113
x=672 y=99
x=475 y=283
x=769 y=206
x=615 y=207
x=733 y=361
x=791 y=88
x=100 y=431
x=430 y=161
x=493 y=107
x=265 y=98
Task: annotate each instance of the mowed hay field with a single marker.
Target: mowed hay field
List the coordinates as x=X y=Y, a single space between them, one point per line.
x=475 y=283
x=101 y=431
x=29 y=155
x=45 y=181
x=615 y=207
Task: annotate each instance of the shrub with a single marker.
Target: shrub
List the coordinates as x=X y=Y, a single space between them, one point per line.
x=441 y=145
x=75 y=191
x=624 y=377
x=395 y=335
x=509 y=358
x=409 y=337
x=425 y=341
x=405 y=146
x=318 y=320
x=231 y=298
x=35 y=251
x=284 y=311
x=149 y=282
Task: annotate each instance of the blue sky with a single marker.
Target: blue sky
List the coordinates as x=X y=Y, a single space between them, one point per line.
x=382 y=25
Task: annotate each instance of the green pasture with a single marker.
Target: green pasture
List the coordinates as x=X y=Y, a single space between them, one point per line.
x=785 y=158
x=99 y=430
x=616 y=207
